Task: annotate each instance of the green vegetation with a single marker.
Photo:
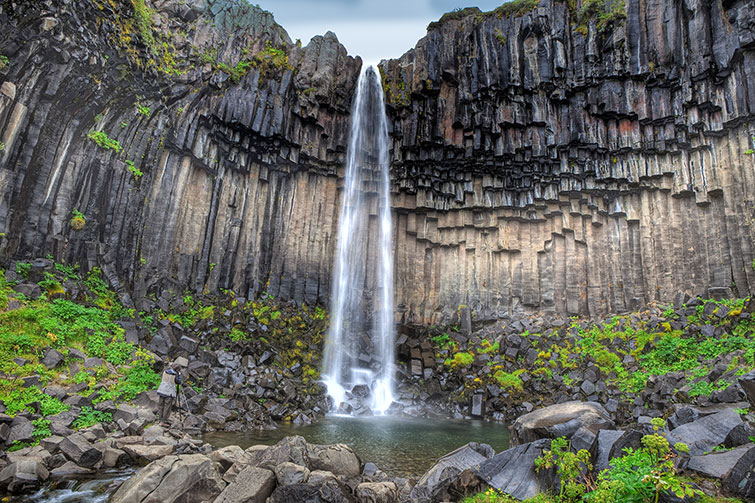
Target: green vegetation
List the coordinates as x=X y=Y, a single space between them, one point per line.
x=89 y=417
x=510 y=381
x=500 y=37
x=640 y=476
x=104 y=141
x=134 y=170
x=515 y=8
x=4 y=62
x=143 y=21
x=454 y=15
x=88 y=325
x=237 y=72
x=748 y=152
x=143 y=109
x=78 y=221
x=607 y=14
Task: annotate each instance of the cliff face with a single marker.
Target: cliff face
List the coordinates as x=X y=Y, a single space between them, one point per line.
x=540 y=168
x=535 y=168
x=239 y=134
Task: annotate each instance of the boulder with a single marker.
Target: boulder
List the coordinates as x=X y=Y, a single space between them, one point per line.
x=189 y=478
x=70 y=470
x=717 y=465
x=601 y=448
x=20 y=431
x=52 y=358
x=143 y=454
x=741 y=478
x=339 y=459
x=444 y=472
x=293 y=449
x=226 y=456
x=747 y=382
x=703 y=434
x=560 y=420
x=290 y=473
x=330 y=491
x=126 y=412
x=23 y=475
x=252 y=485
x=76 y=448
x=377 y=492
x=513 y=470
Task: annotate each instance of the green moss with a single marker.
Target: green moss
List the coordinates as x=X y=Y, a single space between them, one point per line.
x=515 y=8
x=4 y=62
x=143 y=22
x=454 y=15
x=607 y=13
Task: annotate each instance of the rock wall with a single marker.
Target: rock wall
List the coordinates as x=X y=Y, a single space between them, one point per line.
x=536 y=167
x=540 y=166
x=240 y=170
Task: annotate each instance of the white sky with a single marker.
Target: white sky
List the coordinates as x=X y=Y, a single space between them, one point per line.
x=373 y=29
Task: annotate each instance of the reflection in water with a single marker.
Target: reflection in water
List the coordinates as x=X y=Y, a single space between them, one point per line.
x=398 y=446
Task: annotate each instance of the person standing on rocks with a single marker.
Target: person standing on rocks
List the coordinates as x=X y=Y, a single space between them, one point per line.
x=167 y=391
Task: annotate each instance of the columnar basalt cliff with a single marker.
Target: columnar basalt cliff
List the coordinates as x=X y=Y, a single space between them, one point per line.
x=537 y=165
x=544 y=164
x=239 y=134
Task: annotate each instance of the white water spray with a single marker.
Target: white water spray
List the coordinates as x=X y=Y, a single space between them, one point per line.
x=362 y=292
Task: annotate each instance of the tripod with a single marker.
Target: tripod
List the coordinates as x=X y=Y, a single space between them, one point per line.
x=180 y=395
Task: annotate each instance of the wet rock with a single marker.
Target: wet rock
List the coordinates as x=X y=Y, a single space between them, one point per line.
x=71 y=471
x=23 y=475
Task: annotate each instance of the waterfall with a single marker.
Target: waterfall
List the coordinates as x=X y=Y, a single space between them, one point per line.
x=359 y=346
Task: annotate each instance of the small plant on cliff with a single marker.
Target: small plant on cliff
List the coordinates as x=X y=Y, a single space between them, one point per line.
x=143 y=109
x=77 y=220
x=134 y=170
x=3 y=62
x=2 y=146
x=104 y=141
x=748 y=152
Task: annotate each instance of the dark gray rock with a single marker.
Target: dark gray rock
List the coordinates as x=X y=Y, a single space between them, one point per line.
x=513 y=471
x=76 y=448
x=447 y=469
x=704 y=434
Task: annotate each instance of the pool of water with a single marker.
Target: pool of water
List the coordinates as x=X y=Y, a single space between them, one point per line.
x=398 y=446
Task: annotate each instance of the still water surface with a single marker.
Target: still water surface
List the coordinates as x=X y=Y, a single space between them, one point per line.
x=398 y=446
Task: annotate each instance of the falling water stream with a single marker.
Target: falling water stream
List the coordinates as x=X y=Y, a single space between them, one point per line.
x=362 y=293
